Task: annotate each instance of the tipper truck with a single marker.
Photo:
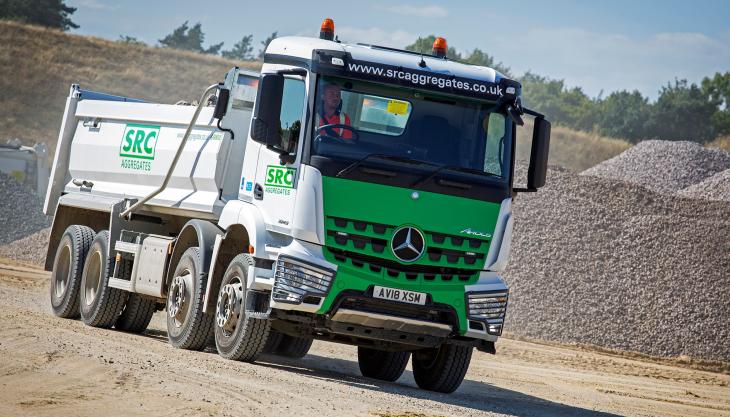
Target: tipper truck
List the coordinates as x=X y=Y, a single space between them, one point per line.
x=348 y=192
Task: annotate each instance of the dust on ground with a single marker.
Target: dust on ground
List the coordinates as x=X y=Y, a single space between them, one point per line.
x=50 y=367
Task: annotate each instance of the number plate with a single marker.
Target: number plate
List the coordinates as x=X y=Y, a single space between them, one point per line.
x=403 y=296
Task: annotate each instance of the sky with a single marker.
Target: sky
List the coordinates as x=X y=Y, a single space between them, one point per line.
x=599 y=47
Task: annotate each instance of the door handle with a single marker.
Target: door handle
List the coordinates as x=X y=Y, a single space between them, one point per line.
x=258 y=192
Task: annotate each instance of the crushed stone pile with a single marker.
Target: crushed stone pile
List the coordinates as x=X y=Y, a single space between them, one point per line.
x=608 y=263
x=716 y=187
x=21 y=211
x=663 y=166
x=31 y=249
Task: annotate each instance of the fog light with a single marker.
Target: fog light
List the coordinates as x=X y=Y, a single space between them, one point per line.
x=296 y=279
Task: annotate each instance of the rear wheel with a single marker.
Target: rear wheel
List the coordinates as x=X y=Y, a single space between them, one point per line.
x=380 y=364
x=441 y=369
x=67 y=268
x=137 y=314
x=100 y=304
x=188 y=326
x=293 y=346
x=238 y=336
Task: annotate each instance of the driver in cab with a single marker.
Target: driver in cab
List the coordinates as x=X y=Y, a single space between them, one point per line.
x=331 y=112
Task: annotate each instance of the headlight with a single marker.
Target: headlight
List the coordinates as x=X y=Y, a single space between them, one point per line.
x=489 y=308
x=296 y=279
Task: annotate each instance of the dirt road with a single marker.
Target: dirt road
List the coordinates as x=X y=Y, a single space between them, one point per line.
x=55 y=367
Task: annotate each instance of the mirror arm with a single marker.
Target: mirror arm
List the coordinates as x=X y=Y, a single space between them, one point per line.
x=524 y=190
x=533 y=113
x=285 y=158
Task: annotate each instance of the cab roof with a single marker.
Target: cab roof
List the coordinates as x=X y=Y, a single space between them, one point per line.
x=302 y=48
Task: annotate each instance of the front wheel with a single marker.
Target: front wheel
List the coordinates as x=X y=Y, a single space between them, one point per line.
x=381 y=364
x=237 y=335
x=188 y=326
x=441 y=369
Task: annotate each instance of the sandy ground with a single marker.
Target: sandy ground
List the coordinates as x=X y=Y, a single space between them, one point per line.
x=54 y=367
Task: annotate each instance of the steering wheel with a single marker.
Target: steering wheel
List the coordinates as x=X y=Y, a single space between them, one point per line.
x=325 y=128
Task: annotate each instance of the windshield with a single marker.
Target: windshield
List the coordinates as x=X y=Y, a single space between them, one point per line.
x=355 y=120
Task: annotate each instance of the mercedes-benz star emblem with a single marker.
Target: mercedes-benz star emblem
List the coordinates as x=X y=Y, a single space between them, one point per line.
x=408 y=244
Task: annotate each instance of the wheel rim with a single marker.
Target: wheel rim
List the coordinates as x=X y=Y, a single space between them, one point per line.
x=228 y=308
x=178 y=303
x=62 y=273
x=92 y=277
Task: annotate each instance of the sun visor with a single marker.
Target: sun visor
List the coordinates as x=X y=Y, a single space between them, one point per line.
x=342 y=64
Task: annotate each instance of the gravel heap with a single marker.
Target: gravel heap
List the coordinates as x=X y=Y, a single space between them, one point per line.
x=31 y=249
x=716 y=187
x=609 y=263
x=21 y=210
x=663 y=166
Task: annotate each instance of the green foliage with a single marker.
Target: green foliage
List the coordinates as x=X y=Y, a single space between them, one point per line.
x=567 y=106
x=130 y=40
x=189 y=39
x=265 y=44
x=683 y=112
x=623 y=114
x=717 y=89
x=475 y=57
x=241 y=50
x=50 y=13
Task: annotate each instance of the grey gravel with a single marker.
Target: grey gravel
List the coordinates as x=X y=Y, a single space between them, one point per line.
x=663 y=166
x=31 y=249
x=609 y=263
x=716 y=187
x=21 y=210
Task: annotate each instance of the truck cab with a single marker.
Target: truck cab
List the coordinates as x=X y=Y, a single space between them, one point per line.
x=365 y=198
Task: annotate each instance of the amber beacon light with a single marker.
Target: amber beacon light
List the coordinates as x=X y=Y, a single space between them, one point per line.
x=440 y=47
x=327 y=30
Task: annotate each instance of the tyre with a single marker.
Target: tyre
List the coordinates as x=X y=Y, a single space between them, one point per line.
x=380 y=364
x=238 y=336
x=272 y=343
x=99 y=304
x=441 y=369
x=137 y=314
x=68 y=265
x=293 y=346
x=188 y=326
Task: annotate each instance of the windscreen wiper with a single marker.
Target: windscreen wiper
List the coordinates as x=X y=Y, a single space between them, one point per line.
x=451 y=168
x=381 y=156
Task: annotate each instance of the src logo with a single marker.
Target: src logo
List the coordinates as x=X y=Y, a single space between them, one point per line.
x=278 y=176
x=139 y=141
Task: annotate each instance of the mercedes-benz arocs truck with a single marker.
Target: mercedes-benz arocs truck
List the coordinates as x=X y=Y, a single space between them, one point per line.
x=350 y=193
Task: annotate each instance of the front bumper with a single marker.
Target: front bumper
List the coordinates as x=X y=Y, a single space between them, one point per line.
x=325 y=296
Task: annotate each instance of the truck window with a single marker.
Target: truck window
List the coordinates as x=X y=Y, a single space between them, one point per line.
x=292 y=107
x=494 y=130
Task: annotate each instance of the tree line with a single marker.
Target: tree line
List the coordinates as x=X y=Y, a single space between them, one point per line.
x=682 y=110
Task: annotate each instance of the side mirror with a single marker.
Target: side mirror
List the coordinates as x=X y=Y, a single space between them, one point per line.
x=266 y=124
x=537 y=171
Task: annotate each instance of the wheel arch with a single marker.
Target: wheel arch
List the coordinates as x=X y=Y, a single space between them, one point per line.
x=244 y=229
x=64 y=217
x=196 y=232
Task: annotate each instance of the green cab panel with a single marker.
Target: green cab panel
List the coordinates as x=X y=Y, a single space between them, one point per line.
x=361 y=218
